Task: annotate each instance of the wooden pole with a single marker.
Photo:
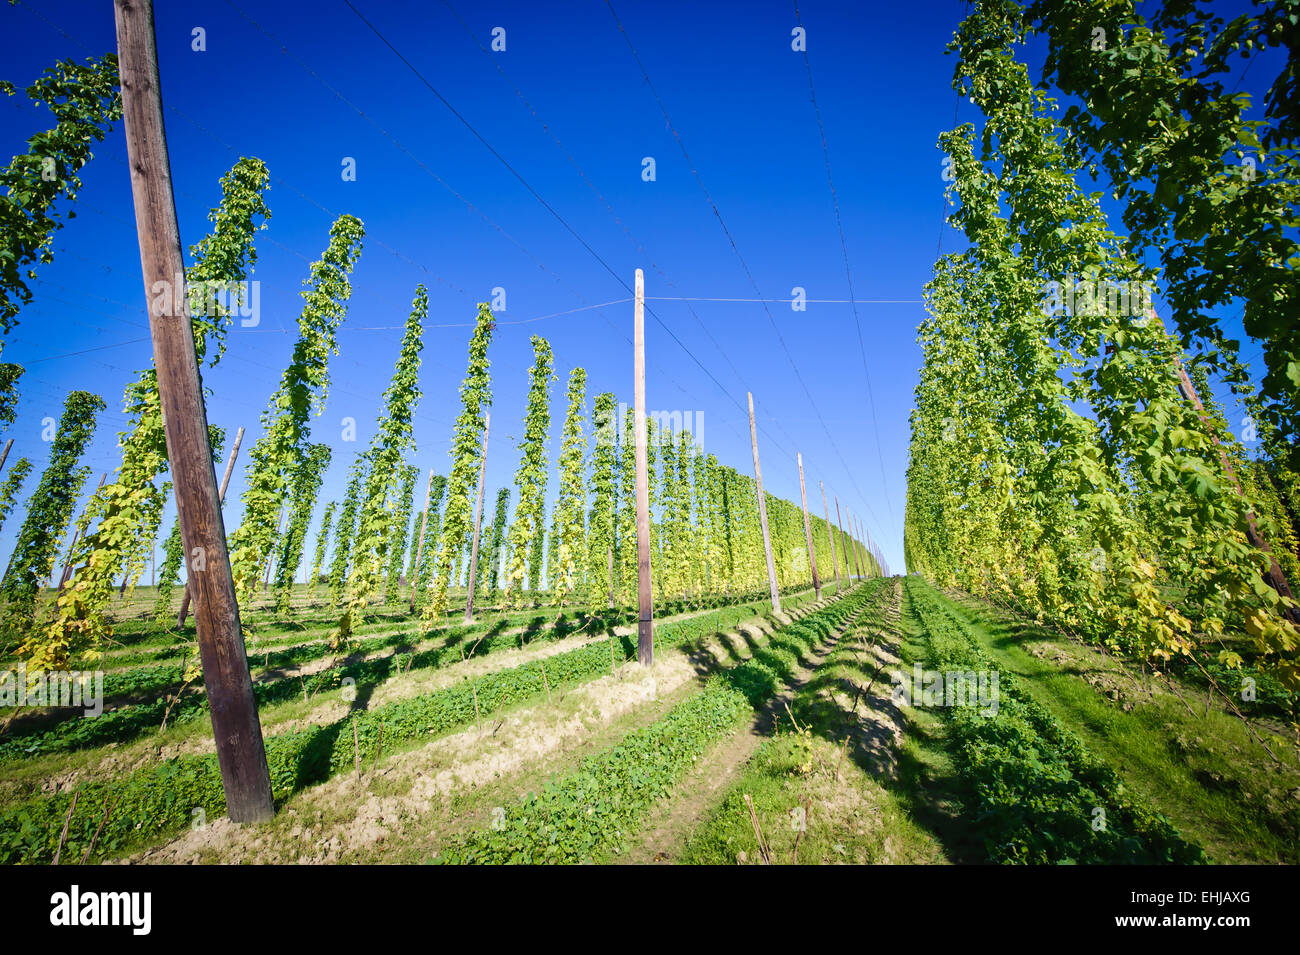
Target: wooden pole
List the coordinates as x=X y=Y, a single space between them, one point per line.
x=478 y=517
x=807 y=531
x=861 y=546
x=762 y=507
x=419 y=547
x=611 y=576
x=844 y=544
x=645 y=628
x=830 y=535
x=4 y=455
x=241 y=753
x=848 y=546
x=852 y=551
x=853 y=543
x=76 y=534
x=221 y=499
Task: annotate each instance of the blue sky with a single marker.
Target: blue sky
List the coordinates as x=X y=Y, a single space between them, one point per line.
x=440 y=209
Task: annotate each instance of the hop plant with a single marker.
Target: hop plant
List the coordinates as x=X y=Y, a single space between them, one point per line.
x=476 y=398
x=523 y=560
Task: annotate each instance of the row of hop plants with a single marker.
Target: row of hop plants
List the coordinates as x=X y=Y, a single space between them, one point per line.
x=705 y=538
x=705 y=517
x=36 y=188
x=1054 y=463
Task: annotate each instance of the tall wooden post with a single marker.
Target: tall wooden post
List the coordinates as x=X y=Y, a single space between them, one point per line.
x=241 y=753
x=849 y=548
x=862 y=547
x=419 y=547
x=844 y=544
x=862 y=556
x=4 y=455
x=645 y=628
x=807 y=531
x=830 y=535
x=762 y=508
x=853 y=544
x=478 y=518
x=612 y=581
x=221 y=498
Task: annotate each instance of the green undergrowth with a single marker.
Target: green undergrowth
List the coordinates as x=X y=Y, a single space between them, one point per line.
x=1034 y=792
x=1176 y=746
x=157 y=800
x=815 y=787
x=588 y=814
x=129 y=721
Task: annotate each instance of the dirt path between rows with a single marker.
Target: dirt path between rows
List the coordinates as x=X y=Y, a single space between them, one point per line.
x=404 y=808
x=671 y=822
x=120 y=759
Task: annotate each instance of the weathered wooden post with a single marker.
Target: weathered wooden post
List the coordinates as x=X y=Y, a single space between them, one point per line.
x=807 y=531
x=645 y=647
x=241 y=753
x=762 y=508
x=844 y=544
x=419 y=547
x=853 y=542
x=1274 y=575
x=270 y=558
x=76 y=534
x=830 y=536
x=221 y=498
x=857 y=545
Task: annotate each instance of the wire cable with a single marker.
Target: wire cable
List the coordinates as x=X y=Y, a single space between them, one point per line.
x=736 y=249
x=848 y=271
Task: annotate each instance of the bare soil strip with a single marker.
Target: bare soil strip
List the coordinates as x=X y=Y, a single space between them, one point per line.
x=61 y=771
x=670 y=823
x=404 y=808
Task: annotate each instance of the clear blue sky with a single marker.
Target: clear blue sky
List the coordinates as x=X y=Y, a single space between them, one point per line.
x=440 y=209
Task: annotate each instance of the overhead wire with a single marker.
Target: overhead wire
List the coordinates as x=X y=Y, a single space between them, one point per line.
x=848 y=271
x=744 y=265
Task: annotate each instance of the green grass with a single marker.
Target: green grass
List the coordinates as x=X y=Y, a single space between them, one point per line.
x=817 y=789
x=587 y=814
x=1204 y=772
x=157 y=798
x=927 y=784
x=1037 y=794
x=796 y=780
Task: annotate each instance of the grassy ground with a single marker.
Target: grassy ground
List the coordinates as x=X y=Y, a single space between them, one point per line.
x=1186 y=756
x=830 y=769
x=407 y=805
x=1200 y=767
x=819 y=787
